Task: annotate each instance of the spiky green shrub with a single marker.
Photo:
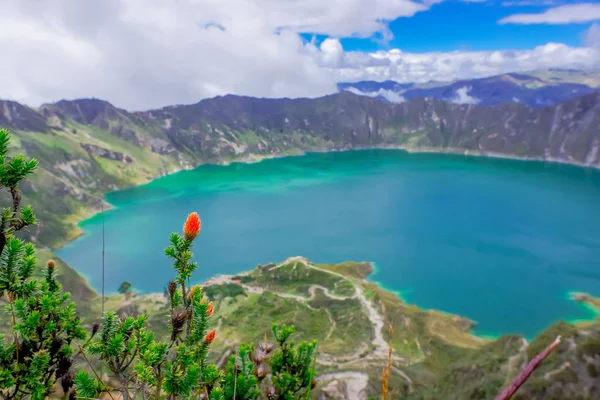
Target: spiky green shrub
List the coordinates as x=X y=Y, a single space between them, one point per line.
x=178 y=367
x=46 y=337
x=36 y=352
x=292 y=367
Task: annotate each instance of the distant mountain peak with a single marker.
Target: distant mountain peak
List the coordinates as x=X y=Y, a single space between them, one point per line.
x=536 y=88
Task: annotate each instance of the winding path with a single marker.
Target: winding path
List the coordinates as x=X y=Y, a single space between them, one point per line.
x=356 y=381
x=380 y=346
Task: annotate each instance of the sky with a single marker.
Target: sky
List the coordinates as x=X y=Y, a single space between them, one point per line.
x=143 y=54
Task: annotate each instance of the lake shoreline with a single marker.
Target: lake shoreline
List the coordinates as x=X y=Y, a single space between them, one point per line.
x=253 y=158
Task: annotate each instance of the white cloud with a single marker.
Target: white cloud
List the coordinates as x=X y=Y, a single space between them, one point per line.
x=332 y=53
x=446 y=66
x=592 y=36
x=566 y=14
x=389 y=95
x=462 y=96
x=528 y=3
x=150 y=53
x=141 y=54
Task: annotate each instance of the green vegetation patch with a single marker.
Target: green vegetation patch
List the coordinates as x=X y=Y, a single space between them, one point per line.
x=257 y=313
x=219 y=292
x=296 y=278
x=356 y=270
x=349 y=326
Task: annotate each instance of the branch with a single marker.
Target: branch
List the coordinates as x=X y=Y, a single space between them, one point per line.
x=14 y=321
x=94 y=371
x=16 y=197
x=511 y=389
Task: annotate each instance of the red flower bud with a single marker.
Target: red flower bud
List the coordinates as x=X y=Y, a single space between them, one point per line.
x=209 y=309
x=51 y=264
x=192 y=225
x=210 y=336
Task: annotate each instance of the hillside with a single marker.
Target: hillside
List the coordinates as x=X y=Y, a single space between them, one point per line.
x=435 y=356
x=88 y=147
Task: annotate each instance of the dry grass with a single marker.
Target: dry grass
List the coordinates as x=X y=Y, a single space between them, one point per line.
x=385 y=376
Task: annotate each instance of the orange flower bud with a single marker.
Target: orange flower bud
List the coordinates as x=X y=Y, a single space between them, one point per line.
x=197 y=289
x=209 y=309
x=210 y=336
x=192 y=225
x=51 y=264
x=10 y=296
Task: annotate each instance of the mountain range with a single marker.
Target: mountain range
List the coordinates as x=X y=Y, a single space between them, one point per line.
x=536 y=88
x=88 y=146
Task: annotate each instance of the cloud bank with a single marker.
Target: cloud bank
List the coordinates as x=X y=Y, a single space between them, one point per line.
x=462 y=96
x=141 y=54
x=445 y=66
x=389 y=95
x=567 y=14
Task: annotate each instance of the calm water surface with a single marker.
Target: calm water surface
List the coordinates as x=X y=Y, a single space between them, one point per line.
x=501 y=242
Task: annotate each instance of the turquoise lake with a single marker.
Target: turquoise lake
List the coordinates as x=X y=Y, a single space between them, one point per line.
x=501 y=242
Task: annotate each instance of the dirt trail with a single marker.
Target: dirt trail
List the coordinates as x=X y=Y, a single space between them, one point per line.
x=380 y=346
x=356 y=384
x=512 y=364
x=377 y=350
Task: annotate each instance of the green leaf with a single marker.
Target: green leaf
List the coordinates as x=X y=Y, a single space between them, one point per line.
x=27 y=216
x=4 y=141
x=87 y=386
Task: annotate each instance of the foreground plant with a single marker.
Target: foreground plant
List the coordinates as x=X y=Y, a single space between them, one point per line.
x=37 y=351
x=526 y=372
x=178 y=367
x=12 y=172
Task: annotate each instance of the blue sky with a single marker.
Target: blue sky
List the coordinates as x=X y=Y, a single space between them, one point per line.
x=460 y=25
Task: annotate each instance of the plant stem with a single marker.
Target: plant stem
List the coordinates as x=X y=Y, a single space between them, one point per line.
x=14 y=321
x=93 y=370
x=158 y=386
x=235 y=379
x=509 y=391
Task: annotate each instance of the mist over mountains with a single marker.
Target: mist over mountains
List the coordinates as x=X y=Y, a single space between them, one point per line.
x=536 y=89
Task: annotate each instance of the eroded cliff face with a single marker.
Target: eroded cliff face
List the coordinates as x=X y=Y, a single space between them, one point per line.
x=234 y=125
x=230 y=126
